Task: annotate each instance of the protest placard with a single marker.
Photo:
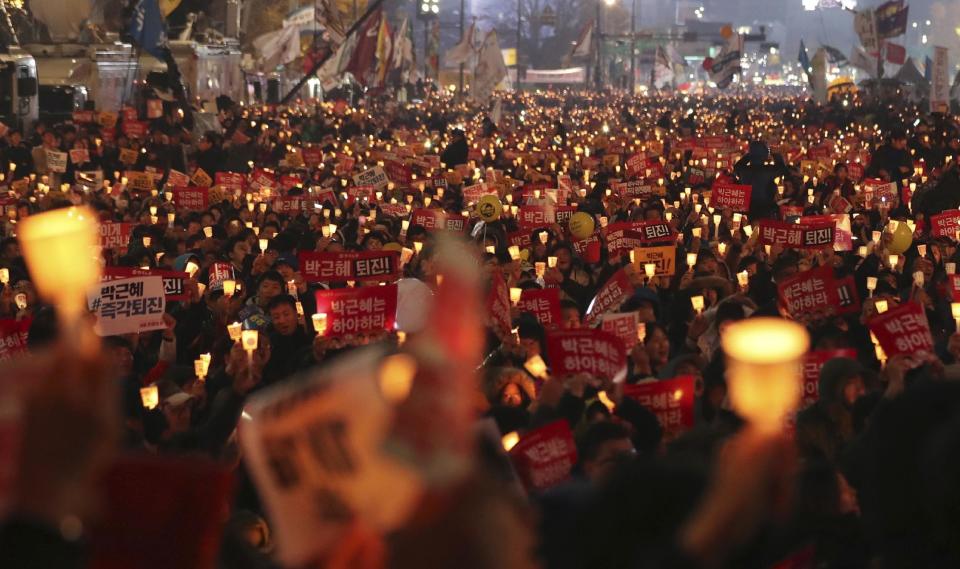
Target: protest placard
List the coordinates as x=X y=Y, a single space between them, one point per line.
x=126 y=306
x=358 y=310
x=542 y=303
x=544 y=457
x=664 y=257
x=349 y=266
x=671 y=400
x=902 y=330
x=588 y=350
x=611 y=295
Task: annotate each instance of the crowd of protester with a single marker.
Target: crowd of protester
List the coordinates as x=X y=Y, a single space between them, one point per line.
x=865 y=476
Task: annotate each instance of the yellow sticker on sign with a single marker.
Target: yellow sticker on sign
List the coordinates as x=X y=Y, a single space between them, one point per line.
x=201 y=178
x=663 y=257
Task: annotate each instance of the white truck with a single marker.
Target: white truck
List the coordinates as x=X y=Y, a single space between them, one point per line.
x=19 y=106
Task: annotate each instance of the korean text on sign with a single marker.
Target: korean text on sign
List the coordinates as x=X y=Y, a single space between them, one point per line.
x=358 y=310
x=349 y=266
x=588 y=351
x=124 y=306
x=670 y=400
x=545 y=457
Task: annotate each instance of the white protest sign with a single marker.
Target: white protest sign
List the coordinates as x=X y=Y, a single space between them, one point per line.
x=56 y=161
x=315 y=451
x=375 y=177
x=125 y=306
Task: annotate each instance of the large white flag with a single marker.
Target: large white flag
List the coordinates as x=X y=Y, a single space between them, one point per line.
x=819 y=76
x=940 y=81
x=865 y=24
x=490 y=70
x=583 y=45
x=727 y=63
x=864 y=62
x=461 y=52
x=279 y=47
x=402 y=46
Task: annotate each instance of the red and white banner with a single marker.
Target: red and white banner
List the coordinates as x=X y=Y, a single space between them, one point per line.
x=115 y=236
x=902 y=330
x=625 y=236
x=436 y=219
x=945 y=224
x=191 y=198
x=733 y=196
x=13 y=337
x=542 y=303
x=611 y=295
x=174 y=282
x=292 y=205
x=877 y=192
x=809 y=293
x=623 y=325
x=588 y=249
x=472 y=194
x=533 y=216
x=220 y=272
x=586 y=350
x=349 y=266
x=670 y=400
x=545 y=457
x=231 y=181
x=633 y=189
x=358 y=310
x=842 y=232
x=796 y=235
x=498 y=306
x=812 y=363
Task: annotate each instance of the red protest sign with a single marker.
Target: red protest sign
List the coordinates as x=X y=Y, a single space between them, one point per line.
x=812 y=363
x=588 y=249
x=945 y=224
x=542 y=303
x=364 y=192
x=797 y=235
x=545 y=457
x=191 y=198
x=312 y=156
x=115 y=235
x=358 y=310
x=733 y=196
x=219 y=272
x=623 y=325
x=855 y=170
x=291 y=205
x=791 y=211
x=954 y=287
x=498 y=306
x=349 y=266
x=229 y=180
x=636 y=164
x=611 y=295
x=435 y=219
x=877 y=192
x=848 y=296
x=521 y=239
x=809 y=293
x=398 y=173
x=394 y=209
x=13 y=337
x=587 y=350
x=472 y=194
x=902 y=330
x=670 y=400
x=174 y=282
x=627 y=236
x=633 y=189
x=533 y=216
x=135 y=129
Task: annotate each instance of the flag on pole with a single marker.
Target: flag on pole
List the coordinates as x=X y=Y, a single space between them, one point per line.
x=859 y=59
x=433 y=49
x=462 y=52
x=804 y=58
x=490 y=69
x=836 y=56
x=895 y=53
x=891 y=19
x=818 y=79
x=727 y=63
x=662 y=69
x=363 y=56
x=583 y=47
x=402 y=46
x=327 y=16
x=675 y=57
x=279 y=47
x=384 y=50
x=865 y=25
x=147 y=28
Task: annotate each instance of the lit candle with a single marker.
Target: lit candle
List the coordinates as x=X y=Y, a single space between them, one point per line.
x=540 y=268
x=249 y=340
x=59 y=247
x=881 y=306
x=743 y=279
x=150 y=397
x=552 y=262
x=894 y=261
x=514 y=251
x=536 y=366
x=691 y=260
x=263 y=245
x=650 y=269
x=229 y=287
x=4 y=276
x=951 y=268
x=509 y=440
x=697 y=302
x=641 y=331
x=763 y=369
x=955 y=309
x=320 y=323
x=515 y=295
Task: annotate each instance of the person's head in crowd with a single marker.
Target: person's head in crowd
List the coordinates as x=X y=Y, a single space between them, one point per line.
x=657 y=344
x=119 y=350
x=269 y=286
x=601 y=447
x=236 y=251
x=569 y=315
x=282 y=310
